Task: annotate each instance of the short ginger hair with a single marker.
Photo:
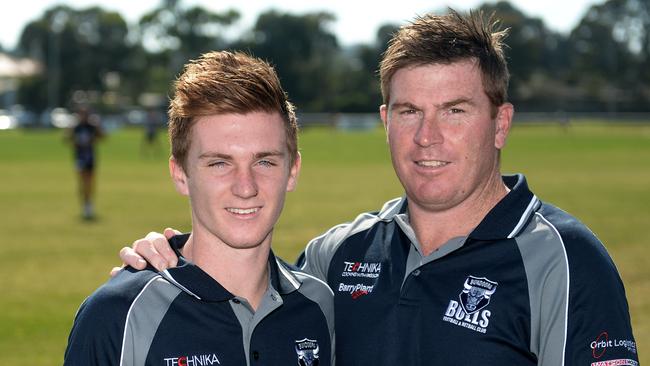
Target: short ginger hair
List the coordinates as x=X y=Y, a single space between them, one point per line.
x=222 y=82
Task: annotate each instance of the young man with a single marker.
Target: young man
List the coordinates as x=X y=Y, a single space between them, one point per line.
x=470 y=267
x=230 y=301
x=83 y=137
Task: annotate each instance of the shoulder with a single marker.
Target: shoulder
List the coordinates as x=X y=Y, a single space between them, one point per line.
x=313 y=289
x=112 y=300
x=310 y=286
x=335 y=236
x=576 y=237
x=575 y=289
x=99 y=324
x=313 y=285
x=110 y=303
x=586 y=257
x=320 y=250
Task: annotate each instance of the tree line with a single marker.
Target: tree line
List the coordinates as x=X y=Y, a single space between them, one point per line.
x=93 y=56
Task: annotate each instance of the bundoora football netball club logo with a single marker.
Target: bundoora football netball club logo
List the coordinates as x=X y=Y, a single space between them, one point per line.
x=307 y=350
x=470 y=312
x=476 y=293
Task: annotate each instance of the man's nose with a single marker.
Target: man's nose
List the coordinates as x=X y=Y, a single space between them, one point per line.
x=428 y=132
x=245 y=185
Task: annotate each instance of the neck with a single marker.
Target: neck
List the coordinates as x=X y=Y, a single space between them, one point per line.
x=243 y=272
x=435 y=226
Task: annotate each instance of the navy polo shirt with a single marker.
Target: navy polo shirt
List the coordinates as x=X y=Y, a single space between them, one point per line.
x=183 y=317
x=530 y=285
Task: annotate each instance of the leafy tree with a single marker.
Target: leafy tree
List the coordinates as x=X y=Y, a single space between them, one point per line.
x=80 y=49
x=535 y=57
x=358 y=81
x=176 y=34
x=611 y=54
x=603 y=64
x=304 y=52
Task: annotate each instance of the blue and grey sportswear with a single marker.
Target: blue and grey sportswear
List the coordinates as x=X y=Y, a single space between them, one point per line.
x=530 y=285
x=183 y=317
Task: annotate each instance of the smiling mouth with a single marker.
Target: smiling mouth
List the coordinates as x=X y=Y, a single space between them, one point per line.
x=242 y=211
x=431 y=163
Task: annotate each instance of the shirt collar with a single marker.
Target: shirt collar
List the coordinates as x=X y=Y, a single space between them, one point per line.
x=193 y=280
x=505 y=220
x=510 y=215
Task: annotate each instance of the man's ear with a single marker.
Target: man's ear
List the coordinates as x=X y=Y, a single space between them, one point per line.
x=503 y=123
x=178 y=176
x=383 y=114
x=294 y=173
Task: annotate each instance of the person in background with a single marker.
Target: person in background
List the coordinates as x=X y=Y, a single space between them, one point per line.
x=84 y=136
x=150 y=144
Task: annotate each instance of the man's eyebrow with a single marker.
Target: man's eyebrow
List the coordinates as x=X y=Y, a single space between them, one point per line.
x=402 y=105
x=455 y=102
x=266 y=154
x=212 y=155
x=258 y=155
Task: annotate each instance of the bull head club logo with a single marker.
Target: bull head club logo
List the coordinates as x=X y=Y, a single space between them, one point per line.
x=476 y=293
x=307 y=350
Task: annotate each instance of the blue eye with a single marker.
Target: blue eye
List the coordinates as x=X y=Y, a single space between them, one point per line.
x=407 y=114
x=266 y=163
x=217 y=164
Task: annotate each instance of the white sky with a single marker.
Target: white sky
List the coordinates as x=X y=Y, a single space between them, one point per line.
x=357 y=21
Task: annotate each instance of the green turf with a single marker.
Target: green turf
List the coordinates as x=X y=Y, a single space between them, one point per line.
x=53 y=259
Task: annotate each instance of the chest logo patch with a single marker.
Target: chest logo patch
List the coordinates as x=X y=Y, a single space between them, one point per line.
x=361 y=269
x=470 y=311
x=207 y=359
x=307 y=351
x=359 y=278
x=476 y=293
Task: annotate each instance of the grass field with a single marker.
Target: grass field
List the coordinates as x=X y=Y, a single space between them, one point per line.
x=600 y=173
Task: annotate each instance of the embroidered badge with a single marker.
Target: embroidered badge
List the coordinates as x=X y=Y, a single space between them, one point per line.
x=307 y=351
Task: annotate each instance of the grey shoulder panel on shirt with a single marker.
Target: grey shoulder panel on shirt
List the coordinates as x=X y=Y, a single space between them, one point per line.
x=319 y=292
x=320 y=250
x=144 y=317
x=547 y=272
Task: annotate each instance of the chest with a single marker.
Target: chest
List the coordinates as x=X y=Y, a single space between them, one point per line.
x=465 y=307
x=198 y=333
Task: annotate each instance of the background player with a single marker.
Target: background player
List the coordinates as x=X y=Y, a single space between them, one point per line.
x=83 y=137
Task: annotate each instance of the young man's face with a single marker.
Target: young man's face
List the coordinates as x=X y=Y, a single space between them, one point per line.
x=443 y=139
x=238 y=172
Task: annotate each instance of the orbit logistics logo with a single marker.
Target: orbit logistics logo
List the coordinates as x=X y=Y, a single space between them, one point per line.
x=602 y=343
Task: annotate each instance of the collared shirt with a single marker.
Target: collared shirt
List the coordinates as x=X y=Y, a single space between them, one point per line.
x=183 y=317
x=530 y=285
